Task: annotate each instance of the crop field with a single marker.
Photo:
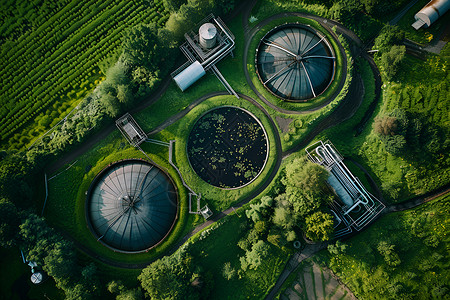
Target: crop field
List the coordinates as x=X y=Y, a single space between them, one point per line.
x=50 y=55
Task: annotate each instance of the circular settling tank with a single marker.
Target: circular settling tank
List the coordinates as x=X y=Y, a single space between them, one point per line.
x=227 y=147
x=295 y=62
x=131 y=206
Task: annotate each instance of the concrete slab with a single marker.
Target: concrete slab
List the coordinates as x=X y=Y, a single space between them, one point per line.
x=309 y=285
x=318 y=282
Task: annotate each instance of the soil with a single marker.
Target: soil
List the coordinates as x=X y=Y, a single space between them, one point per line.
x=227 y=147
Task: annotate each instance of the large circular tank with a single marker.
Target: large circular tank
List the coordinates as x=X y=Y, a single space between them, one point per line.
x=295 y=62
x=207 y=35
x=131 y=206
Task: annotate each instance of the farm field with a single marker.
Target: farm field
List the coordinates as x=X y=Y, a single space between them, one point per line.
x=54 y=54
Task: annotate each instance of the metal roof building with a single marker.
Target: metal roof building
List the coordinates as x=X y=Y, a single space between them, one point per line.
x=131 y=206
x=430 y=13
x=295 y=62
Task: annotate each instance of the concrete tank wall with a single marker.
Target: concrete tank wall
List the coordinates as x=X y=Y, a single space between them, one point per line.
x=207 y=35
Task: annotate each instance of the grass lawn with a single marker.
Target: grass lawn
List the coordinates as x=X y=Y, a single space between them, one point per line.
x=421 y=240
x=216 y=198
x=66 y=202
x=217 y=245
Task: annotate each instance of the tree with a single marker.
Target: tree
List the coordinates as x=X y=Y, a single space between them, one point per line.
x=124 y=94
x=9 y=224
x=254 y=257
x=395 y=144
x=118 y=74
x=283 y=218
x=173 y=5
x=385 y=125
x=319 y=226
x=337 y=248
x=387 y=251
x=168 y=277
x=390 y=61
x=144 y=45
x=256 y=210
x=389 y=36
x=228 y=271
x=111 y=104
x=306 y=176
x=14 y=172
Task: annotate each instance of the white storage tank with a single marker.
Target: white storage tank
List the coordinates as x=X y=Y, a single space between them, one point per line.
x=430 y=13
x=207 y=35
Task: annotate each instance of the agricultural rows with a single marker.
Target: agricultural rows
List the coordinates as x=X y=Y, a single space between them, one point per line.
x=62 y=54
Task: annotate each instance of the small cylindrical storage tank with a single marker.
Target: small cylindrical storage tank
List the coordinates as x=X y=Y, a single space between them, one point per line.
x=189 y=75
x=207 y=35
x=432 y=11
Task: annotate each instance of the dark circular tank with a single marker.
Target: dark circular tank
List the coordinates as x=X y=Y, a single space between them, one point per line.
x=295 y=62
x=131 y=206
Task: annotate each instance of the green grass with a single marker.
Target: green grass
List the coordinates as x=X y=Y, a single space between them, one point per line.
x=216 y=198
x=67 y=194
x=423 y=267
x=217 y=245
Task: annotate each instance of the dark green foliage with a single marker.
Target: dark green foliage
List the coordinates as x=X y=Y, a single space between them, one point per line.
x=117 y=288
x=388 y=37
x=168 y=277
x=254 y=257
x=9 y=224
x=14 y=172
x=57 y=257
x=173 y=5
x=395 y=144
x=387 y=251
x=319 y=226
x=390 y=61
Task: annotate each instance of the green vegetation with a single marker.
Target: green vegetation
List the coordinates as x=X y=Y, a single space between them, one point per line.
x=51 y=53
x=403 y=145
x=214 y=250
x=402 y=255
x=65 y=207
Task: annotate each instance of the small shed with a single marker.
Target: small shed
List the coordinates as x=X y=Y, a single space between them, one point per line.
x=131 y=130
